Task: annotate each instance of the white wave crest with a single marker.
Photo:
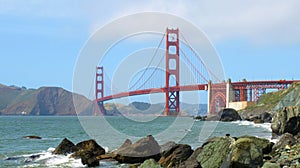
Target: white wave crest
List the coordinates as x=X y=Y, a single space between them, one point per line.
x=266 y=126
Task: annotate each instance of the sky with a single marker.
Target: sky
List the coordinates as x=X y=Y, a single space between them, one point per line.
x=41 y=40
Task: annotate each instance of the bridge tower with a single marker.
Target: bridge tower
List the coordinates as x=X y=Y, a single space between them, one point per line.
x=99 y=91
x=172 y=106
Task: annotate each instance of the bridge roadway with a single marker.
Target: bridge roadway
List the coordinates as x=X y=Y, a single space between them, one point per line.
x=154 y=90
x=267 y=84
x=236 y=85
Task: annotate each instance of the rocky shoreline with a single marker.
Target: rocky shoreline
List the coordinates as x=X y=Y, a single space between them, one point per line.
x=226 y=151
x=235 y=152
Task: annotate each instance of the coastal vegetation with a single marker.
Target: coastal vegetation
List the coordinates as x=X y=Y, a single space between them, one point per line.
x=273 y=101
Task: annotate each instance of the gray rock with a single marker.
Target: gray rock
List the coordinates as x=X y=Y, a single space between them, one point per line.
x=88 y=151
x=165 y=148
x=176 y=155
x=229 y=114
x=65 y=147
x=88 y=146
x=192 y=162
x=126 y=144
x=143 y=149
x=88 y=158
x=32 y=137
x=287 y=120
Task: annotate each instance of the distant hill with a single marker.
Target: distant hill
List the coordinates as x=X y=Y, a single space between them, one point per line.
x=57 y=101
x=43 y=101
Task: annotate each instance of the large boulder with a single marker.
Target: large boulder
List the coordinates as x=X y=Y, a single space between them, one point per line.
x=127 y=143
x=286 y=120
x=88 y=151
x=248 y=152
x=89 y=159
x=167 y=147
x=243 y=152
x=65 y=147
x=262 y=143
x=192 y=162
x=175 y=155
x=215 y=152
x=229 y=114
x=143 y=149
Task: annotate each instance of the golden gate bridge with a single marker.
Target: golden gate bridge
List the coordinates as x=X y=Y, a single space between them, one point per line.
x=220 y=93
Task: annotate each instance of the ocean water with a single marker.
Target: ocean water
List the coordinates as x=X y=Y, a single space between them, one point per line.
x=109 y=132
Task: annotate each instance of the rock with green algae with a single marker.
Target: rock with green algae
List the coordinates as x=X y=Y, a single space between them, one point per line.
x=262 y=143
x=150 y=163
x=270 y=165
x=246 y=153
x=215 y=153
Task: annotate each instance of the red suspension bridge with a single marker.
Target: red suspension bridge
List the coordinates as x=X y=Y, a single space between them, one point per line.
x=220 y=93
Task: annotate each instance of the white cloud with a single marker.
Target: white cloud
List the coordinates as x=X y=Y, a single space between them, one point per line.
x=268 y=21
x=259 y=21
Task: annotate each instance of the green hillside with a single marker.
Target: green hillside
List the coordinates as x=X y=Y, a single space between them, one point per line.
x=273 y=101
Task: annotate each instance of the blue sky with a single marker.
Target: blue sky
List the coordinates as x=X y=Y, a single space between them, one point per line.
x=41 y=40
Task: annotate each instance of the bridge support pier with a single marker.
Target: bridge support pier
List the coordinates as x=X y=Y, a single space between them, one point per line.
x=172 y=106
x=99 y=91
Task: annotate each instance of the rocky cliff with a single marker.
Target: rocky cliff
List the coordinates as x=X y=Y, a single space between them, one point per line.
x=271 y=103
x=43 y=101
x=287 y=120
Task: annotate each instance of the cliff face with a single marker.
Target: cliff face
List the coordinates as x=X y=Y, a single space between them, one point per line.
x=287 y=120
x=273 y=102
x=42 y=101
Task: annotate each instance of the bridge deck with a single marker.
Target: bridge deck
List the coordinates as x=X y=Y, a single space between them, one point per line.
x=154 y=90
x=193 y=88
